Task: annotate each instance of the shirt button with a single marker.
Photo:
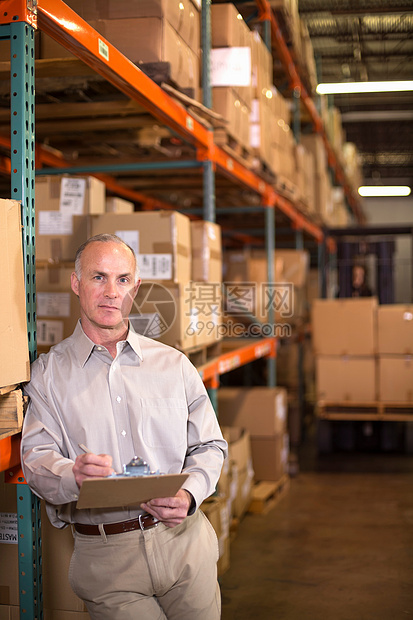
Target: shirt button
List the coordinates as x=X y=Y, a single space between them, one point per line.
x=123 y=433
x=99 y=348
x=118 y=399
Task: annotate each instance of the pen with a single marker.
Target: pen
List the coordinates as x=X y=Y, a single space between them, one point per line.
x=83 y=447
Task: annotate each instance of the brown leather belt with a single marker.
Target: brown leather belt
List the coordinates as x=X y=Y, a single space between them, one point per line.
x=143 y=522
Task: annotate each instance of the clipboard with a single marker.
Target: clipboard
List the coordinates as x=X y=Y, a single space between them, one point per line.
x=117 y=491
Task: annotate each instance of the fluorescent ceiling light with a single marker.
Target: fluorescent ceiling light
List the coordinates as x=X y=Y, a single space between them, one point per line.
x=384 y=190
x=363 y=87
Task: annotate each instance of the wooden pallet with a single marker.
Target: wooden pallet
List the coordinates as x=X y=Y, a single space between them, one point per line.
x=395 y=412
x=266 y=495
x=12 y=406
x=233 y=148
x=287 y=188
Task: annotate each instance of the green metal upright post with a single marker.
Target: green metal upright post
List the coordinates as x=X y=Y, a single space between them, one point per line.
x=209 y=174
x=270 y=240
x=22 y=188
x=270 y=249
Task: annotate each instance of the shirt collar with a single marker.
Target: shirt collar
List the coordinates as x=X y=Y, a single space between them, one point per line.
x=83 y=345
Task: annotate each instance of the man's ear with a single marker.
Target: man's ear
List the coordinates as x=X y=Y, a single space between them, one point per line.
x=74 y=283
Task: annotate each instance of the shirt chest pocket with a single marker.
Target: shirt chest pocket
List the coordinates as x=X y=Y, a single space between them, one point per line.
x=164 y=422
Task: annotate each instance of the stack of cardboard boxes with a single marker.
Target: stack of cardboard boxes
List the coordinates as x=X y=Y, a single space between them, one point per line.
x=231 y=71
x=395 y=350
x=179 y=301
x=148 y=31
x=345 y=345
x=59 y=601
x=262 y=413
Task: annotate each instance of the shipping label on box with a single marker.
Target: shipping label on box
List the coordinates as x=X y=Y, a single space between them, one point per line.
x=8 y=528
x=53 y=304
x=72 y=195
x=49 y=332
x=155 y=266
x=231 y=66
x=131 y=238
x=54 y=223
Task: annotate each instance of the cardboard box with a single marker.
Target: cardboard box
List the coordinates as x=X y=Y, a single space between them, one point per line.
x=345 y=326
x=395 y=329
x=216 y=510
x=227 y=102
x=57 y=307
x=228 y=29
x=270 y=456
x=261 y=410
x=58 y=241
x=62 y=204
x=314 y=144
x=14 y=352
x=160 y=239
x=292 y=266
x=115 y=204
x=206 y=246
x=395 y=382
x=9 y=612
x=70 y=195
x=183 y=16
x=153 y=39
x=206 y=311
x=163 y=312
x=239 y=454
x=57 y=548
x=349 y=379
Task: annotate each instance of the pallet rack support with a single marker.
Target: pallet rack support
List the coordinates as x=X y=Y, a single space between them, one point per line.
x=21 y=35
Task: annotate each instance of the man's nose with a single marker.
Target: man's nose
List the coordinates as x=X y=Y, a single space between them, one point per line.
x=111 y=289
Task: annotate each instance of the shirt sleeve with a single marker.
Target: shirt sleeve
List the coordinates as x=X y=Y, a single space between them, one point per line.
x=206 y=447
x=46 y=467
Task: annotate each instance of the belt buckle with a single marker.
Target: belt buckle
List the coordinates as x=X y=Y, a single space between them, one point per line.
x=141 y=524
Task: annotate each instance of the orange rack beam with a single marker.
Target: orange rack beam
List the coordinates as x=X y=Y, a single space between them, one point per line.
x=238 y=356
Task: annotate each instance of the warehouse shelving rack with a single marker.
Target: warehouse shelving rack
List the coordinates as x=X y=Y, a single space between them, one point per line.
x=18 y=21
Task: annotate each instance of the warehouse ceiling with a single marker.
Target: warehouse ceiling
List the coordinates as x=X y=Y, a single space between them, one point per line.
x=365 y=40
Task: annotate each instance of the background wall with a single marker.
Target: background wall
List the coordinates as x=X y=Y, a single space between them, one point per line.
x=394 y=211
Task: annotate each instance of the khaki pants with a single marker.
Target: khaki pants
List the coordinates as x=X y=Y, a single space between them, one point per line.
x=151 y=575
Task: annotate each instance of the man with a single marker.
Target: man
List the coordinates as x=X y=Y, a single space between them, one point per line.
x=120 y=395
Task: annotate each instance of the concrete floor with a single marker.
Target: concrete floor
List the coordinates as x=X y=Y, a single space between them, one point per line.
x=338 y=546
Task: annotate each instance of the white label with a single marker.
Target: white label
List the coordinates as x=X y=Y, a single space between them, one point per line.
x=103 y=49
x=231 y=66
x=72 y=195
x=53 y=304
x=49 y=332
x=131 y=237
x=55 y=223
x=211 y=232
x=280 y=407
x=8 y=528
x=155 y=266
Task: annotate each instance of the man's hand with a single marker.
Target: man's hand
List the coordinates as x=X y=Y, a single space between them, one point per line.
x=92 y=466
x=170 y=510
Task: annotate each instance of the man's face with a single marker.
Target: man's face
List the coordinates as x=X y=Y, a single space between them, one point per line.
x=107 y=287
x=358 y=276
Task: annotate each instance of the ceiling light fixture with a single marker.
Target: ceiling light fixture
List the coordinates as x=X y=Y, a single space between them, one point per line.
x=375 y=191
x=341 y=88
